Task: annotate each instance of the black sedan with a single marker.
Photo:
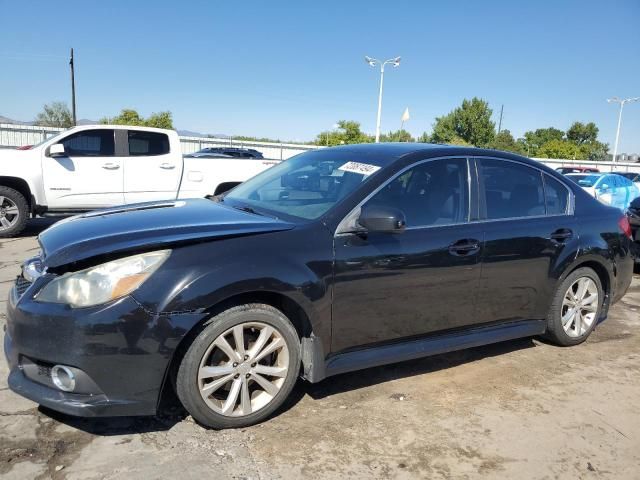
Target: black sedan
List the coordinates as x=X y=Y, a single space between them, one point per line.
x=335 y=260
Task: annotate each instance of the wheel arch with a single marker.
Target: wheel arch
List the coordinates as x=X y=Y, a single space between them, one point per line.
x=291 y=308
x=20 y=185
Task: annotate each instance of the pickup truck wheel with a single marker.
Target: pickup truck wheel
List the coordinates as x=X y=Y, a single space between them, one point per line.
x=14 y=212
x=240 y=368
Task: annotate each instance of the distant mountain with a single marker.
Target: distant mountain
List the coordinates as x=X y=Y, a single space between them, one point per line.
x=85 y=121
x=10 y=120
x=189 y=133
x=82 y=121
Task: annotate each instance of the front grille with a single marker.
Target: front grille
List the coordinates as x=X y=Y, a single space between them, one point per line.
x=21 y=285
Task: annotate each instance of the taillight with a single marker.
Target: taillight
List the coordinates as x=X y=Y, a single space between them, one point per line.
x=625 y=227
x=25 y=147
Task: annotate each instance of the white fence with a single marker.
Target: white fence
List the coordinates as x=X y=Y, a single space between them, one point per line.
x=14 y=135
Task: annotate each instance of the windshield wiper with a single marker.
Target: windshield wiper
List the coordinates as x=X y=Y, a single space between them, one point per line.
x=247 y=209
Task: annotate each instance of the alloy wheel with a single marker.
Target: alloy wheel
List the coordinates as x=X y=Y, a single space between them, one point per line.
x=243 y=369
x=9 y=213
x=580 y=307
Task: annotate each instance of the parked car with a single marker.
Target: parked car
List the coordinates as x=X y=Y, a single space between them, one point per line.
x=565 y=170
x=633 y=212
x=336 y=260
x=609 y=188
x=633 y=176
x=97 y=166
x=228 y=151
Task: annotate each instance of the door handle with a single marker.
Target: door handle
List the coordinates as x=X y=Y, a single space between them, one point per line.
x=110 y=166
x=466 y=247
x=561 y=235
x=167 y=166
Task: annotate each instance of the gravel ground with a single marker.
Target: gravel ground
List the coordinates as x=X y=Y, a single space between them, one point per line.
x=522 y=409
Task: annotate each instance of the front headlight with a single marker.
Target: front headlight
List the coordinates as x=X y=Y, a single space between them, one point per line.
x=102 y=283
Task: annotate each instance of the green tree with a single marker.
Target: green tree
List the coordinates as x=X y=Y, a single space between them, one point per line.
x=595 y=150
x=533 y=140
x=505 y=141
x=348 y=131
x=470 y=123
x=132 y=117
x=55 y=114
x=582 y=133
x=560 y=149
x=424 y=138
x=397 y=136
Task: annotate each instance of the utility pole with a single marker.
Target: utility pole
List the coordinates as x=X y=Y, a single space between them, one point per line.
x=73 y=90
x=500 y=122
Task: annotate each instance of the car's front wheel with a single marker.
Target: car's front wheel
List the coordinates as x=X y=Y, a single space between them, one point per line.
x=240 y=368
x=576 y=307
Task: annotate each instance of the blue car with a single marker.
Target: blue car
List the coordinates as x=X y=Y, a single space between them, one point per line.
x=609 y=188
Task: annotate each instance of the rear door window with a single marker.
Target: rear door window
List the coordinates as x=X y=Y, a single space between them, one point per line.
x=511 y=189
x=147 y=143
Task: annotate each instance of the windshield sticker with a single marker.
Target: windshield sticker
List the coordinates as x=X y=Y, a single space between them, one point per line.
x=357 y=167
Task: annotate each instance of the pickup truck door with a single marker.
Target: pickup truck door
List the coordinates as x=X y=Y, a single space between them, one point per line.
x=152 y=170
x=88 y=176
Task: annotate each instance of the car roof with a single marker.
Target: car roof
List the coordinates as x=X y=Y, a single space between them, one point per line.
x=387 y=153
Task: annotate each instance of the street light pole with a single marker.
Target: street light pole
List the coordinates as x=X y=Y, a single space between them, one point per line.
x=373 y=62
x=621 y=102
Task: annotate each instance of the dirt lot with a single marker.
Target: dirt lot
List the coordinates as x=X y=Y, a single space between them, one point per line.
x=522 y=409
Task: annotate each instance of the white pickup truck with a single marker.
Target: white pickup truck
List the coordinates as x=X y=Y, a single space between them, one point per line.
x=96 y=166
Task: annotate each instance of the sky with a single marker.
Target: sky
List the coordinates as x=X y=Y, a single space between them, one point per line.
x=289 y=70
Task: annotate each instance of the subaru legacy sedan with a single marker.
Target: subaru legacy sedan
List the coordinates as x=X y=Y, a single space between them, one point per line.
x=336 y=260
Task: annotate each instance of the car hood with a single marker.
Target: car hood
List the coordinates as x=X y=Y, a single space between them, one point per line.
x=146 y=226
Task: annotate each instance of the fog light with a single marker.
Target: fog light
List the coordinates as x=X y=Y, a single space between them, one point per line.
x=63 y=378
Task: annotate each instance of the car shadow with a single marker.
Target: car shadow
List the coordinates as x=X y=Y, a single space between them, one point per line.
x=376 y=375
x=112 y=426
x=37 y=225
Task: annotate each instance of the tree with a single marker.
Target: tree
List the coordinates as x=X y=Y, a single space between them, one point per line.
x=55 y=114
x=533 y=140
x=348 y=131
x=424 y=138
x=581 y=133
x=595 y=150
x=560 y=149
x=505 y=141
x=132 y=117
x=397 y=136
x=469 y=123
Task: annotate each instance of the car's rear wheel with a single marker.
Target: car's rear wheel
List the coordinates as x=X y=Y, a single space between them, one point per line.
x=14 y=211
x=240 y=368
x=576 y=307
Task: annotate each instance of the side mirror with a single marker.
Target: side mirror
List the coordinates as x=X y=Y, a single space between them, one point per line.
x=377 y=218
x=56 y=150
x=604 y=187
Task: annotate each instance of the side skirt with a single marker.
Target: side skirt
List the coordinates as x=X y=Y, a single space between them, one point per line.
x=424 y=347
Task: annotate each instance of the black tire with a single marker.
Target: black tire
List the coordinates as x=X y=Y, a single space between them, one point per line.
x=187 y=383
x=555 y=332
x=23 y=212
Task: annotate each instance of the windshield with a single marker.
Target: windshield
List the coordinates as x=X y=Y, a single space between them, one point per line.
x=585 y=180
x=307 y=185
x=49 y=138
